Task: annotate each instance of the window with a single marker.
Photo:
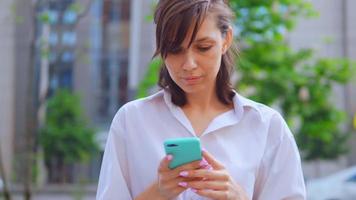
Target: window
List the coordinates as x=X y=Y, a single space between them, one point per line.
x=65 y=79
x=68 y=56
x=69 y=38
x=53 y=38
x=53 y=17
x=112 y=69
x=69 y=17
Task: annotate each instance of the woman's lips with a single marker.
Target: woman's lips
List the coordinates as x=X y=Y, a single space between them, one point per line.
x=192 y=79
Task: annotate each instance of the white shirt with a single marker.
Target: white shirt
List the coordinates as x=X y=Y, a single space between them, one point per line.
x=252 y=141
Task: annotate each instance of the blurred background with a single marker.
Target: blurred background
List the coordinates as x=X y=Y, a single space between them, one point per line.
x=68 y=65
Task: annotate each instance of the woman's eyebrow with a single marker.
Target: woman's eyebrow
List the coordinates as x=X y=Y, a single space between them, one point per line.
x=203 y=39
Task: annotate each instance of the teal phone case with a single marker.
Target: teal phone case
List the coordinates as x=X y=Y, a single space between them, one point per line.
x=183 y=150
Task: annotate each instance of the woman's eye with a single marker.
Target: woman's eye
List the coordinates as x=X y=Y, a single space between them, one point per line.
x=203 y=49
x=175 y=51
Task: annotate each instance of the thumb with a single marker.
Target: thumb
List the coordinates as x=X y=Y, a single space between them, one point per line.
x=164 y=164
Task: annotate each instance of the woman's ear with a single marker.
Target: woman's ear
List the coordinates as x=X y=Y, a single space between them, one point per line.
x=227 y=40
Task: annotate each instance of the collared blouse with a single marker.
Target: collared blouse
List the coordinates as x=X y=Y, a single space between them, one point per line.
x=252 y=141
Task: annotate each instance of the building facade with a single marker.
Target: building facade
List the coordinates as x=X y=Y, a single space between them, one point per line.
x=88 y=54
x=7 y=81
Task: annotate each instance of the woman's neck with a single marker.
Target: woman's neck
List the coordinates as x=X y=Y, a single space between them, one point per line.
x=204 y=101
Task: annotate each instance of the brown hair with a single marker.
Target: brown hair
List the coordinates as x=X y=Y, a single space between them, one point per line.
x=174 y=18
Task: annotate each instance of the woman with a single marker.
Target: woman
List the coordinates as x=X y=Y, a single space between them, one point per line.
x=249 y=153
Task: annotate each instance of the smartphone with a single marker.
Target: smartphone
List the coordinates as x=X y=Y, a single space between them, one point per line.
x=184 y=150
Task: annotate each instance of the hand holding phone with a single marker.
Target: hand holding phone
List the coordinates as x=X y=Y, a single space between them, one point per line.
x=184 y=150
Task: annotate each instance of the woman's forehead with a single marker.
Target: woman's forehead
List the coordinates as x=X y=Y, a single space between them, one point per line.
x=207 y=31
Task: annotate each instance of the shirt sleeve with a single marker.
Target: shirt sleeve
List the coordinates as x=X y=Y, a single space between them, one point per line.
x=113 y=179
x=280 y=174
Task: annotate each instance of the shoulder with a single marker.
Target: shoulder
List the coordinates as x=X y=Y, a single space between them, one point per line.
x=140 y=106
x=265 y=113
x=277 y=128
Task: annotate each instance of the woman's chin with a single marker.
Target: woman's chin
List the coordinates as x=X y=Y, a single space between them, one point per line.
x=193 y=89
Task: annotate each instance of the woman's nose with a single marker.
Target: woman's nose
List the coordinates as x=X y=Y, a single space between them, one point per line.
x=189 y=62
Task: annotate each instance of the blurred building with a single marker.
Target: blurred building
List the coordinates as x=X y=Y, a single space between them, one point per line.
x=7 y=84
x=100 y=53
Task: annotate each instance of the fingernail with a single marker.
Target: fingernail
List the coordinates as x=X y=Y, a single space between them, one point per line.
x=183 y=173
x=203 y=163
x=183 y=184
x=208 y=167
x=169 y=157
x=193 y=190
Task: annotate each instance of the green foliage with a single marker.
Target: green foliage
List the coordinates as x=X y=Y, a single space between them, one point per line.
x=150 y=79
x=272 y=73
x=44 y=17
x=277 y=75
x=76 y=7
x=267 y=20
x=66 y=136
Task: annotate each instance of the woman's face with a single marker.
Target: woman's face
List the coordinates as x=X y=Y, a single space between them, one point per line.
x=194 y=69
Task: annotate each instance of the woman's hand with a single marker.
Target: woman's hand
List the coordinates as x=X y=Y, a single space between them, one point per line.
x=169 y=179
x=215 y=182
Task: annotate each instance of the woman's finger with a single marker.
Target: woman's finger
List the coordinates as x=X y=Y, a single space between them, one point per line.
x=212 y=161
x=210 y=185
x=189 y=166
x=172 y=186
x=214 y=194
x=207 y=174
x=171 y=175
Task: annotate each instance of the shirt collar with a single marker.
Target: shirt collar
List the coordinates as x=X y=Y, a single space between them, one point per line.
x=240 y=105
x=177 y=112
x=239 y=101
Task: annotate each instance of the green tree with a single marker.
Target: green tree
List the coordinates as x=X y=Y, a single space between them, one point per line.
x=66 y=138
x=271 y=72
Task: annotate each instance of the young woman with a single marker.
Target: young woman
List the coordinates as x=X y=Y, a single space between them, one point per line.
x=249 y=153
